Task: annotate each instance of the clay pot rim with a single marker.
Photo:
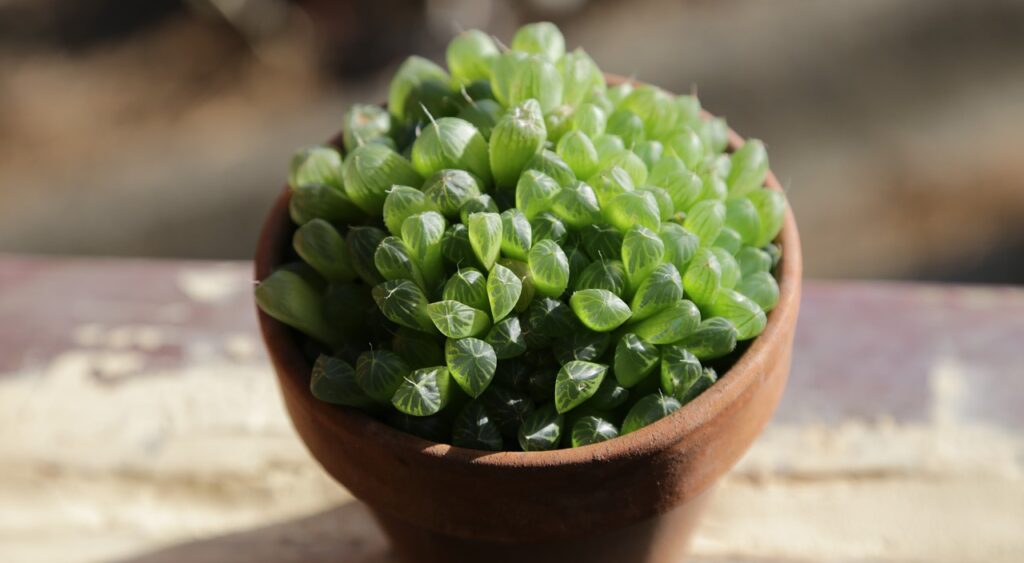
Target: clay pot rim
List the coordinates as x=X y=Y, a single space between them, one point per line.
x=677 y=427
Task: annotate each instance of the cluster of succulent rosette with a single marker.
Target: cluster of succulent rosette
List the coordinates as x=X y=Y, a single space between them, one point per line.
x=514 y=255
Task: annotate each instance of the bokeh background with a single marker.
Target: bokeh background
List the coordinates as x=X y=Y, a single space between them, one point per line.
x=163 y=128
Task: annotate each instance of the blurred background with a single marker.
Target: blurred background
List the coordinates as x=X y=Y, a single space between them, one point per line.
x=164 y=128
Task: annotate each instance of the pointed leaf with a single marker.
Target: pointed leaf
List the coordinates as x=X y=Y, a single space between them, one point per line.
x=663 y=287
x=634 y=359
x=379 y=373
x=671 y=324
x=576 y=382
x=516 y=234
x=503 y=290
x=642 y=251
x=633 y=208
x=549 y=268
x=703 y=278
x=535 y=192
x=402 y=202
x=422 y=234
x=592 y=430
x=506 y=337
x=424 y=392
x=707 y=378
x=403 y=302
x=583 y=345
x=362 y=244
x=542 y=430
x=647 y=410
x=679 y=370
x=746 y=315
x=456 y=320
x=546 y=226
x=467 y=286
x=599 y=309
x=474 y=429
x=761 y=288
x=603 y=274
x=576 y=205
x=323 y=248
x=471 y=363
x=334 y=381
x=418 y=349
x=485 y=237
x=507 y=408
x=609 y=396
x=602 y=242
x=393 y=261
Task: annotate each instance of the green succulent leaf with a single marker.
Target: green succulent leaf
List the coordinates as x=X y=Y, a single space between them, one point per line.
x=370 y=171
x=642 y=252
x=590 y=120
x=609 y=396
x=506 y=337
x=394 y=262
x=474 y=429
x=650 y=151
x=648 y=410
x=703 y=278
x=467 y=286
x=706 y=219
x=663 y=287
x=455 y=246
x=549 y=268
x=551 y=165
x=315 y=165
x=592 y=430
x=417 y=348
x=422 y=234
x=471 y=362
x=683 y=186
x=288 y=297
x=666 y=209
x=742 y=216
x=635 y=359
x=516 y=234
x=626 y=125
x=546 y=226
x=522 y=271
x=485 y=237
x=669 y=325
x=708 y=377
x=518 y=136
x=320 y=201
x=730 y=267
x=542 y=38
x=584 y=345
x=503 y=290
x=484 y=115
x=580 y=75
x=752 y=260
x=633 y=208
x=761 y=288
x=423 y=392
x=748 y=170
x=403 y=302
x=599 y=309
x=470 y=55
x=576 y=382
x=449 y=190
x=680 y=369
x=712 y=339
x=482 y=203
x=610 y=182
x=379 y=373
x=321 y=246
x=365 y=123
x=688 y=146
x=609 y=275
x=729 y=241
x=547 y=319
x=576 y=205
x=334 y=381
x=456 y=320
x=508 y=408
x=771 y=208
x=542 y=430
x=745 y=314
x=362 y=245
x=602 y=242
x=534 y=193
x=402 y=202
x=578 y=151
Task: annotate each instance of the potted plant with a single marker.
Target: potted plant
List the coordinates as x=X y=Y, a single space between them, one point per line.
x=527 y=310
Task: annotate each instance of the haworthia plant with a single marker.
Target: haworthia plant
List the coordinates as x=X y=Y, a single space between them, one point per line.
x=513 y=255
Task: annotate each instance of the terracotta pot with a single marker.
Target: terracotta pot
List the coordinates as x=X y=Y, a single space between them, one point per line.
x=634 y=498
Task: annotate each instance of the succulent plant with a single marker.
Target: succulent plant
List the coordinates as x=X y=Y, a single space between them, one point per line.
x=512 y=255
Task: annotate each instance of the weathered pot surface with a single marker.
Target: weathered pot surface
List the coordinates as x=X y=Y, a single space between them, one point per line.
x=633 y=498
